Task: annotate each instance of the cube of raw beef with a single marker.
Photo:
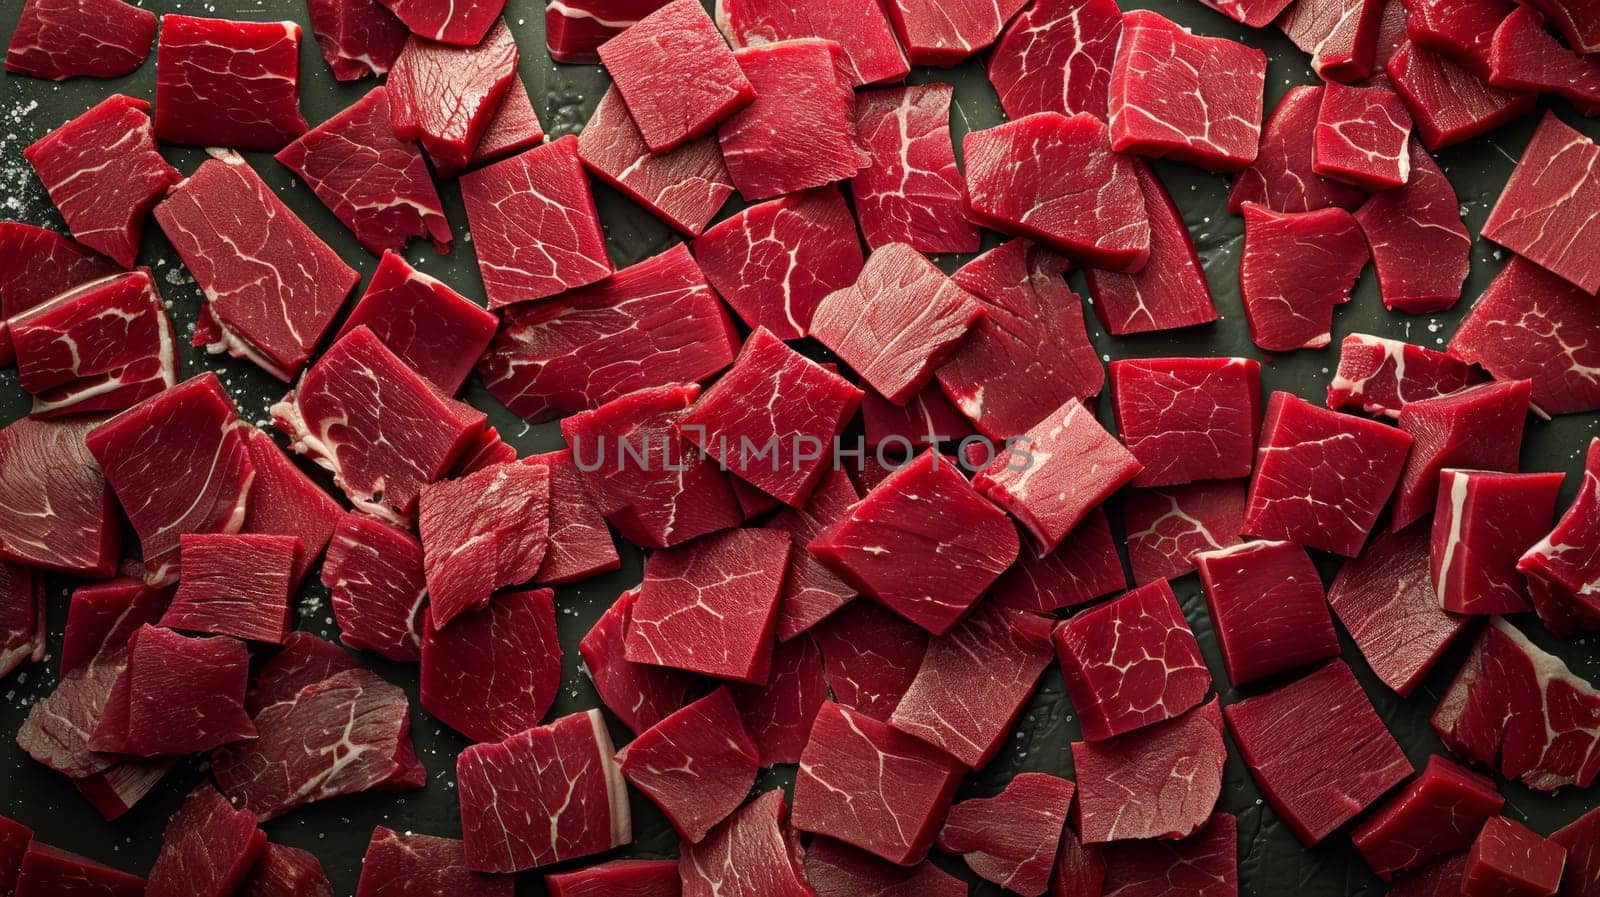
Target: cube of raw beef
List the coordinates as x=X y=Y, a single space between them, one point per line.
x=1582 y=841
x=1085 y=566
x=428 y=325
x=178 y=695
x=1531 y=324
x=754 y=854
x=640 y=695
x=1438 y=814
x=1524 y=56
x=871 y=54
x=482 y=532
x=61 y=39
x=1419 y=245
x=836 y=870
x=575 y=29
x=911 y=191
x=1187 y=419
x=940 y=35
x=1295 y=268
x=374 y=576
x=1340 y=35
x=636 y=878
x=1381 y=376
x=1018 y=182
x=1131 y=662
x=548 y=794
x=779 y=713
x=1035 y=65
x=867 y=785
x=580 y=544
x=445 y=22
x=1509 y=859
x=676 y=74
x=1462 y=30
x=1551 y=205
x=493 y=672
x=697 y=765
x=1010 y=839
x=208 y=848
x=61 y=515
x=1178 y=95
x=1483 y=523
x=1283 y=177
x=48 y=870
x=22 y=625
x=227 y=83
x=411 y=863
x=1479 y=427
x=1158 y=782
x=36 y=265
x=1267 y=609
x=1448 y=103
x=1561 y=568
x=870 y=657
x=1168 y=526
x=287 y=872
x=1363 y=137
x=684 y=188
x=514 y=128
x=446 y=96
x=235 y=584
x=810 y=590
x=357 y=37
x=1206 y=862
x=285 y=502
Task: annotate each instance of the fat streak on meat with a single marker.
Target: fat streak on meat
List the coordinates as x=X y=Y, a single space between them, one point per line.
x=1283 y=177
x=227 y=83
x=754 y=854
x=1294 y=269
x=1363 y=137
x=60 y=514
x=448 y=22
x=1187 y=419
x=1479 y=427
x=357 y=37
x=637 y=694
x=1056 y=56
x=1482 y=524
x=1381 y=376
x=697 y=765
x=911 y=191
x=428 y=325
x=411 y=864
x=1167 y=526
x=1551 y=205
x=1340 y=35
x=235 y=584
x=1561 y=569
x=61 y=39
x=35 y=266
x=575 y=29
x=374 y=575
x=485 y=531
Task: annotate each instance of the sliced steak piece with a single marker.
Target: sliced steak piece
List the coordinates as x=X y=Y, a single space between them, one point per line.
x=1561 y=569
x=445 y=96
x=638 y=694
x=871 y=55
x=1482 y=524
x=36 y=265
x=1551 y=205
x=412 y=865
x=448 y=22
x=221 y=82
x=1524 y=56
x=62 y=516
x=911 y=191
x=1294 y=270
x=425 y=323
x=940 y=35
x=1010 y=839
x=48 y=870
x=357 y=37
x=1167 y=526
x=697 y=765
x=1509 y=858
x=1267 y=609
x=1381 y=376
x=1188 y=419
x=1158 y=782
x=1421 y=249
x=1363 y=137
x=755 y=853
x=208 y=848
x=1085 y=566
x=375 y=578
x=618 y=878
x=285 y=502
x=575 y=29
x=61 y=39
x=235 y=584
x=1056 y=56
x=1448 y=103
x=676 y=74
x=1204 y=864
x=1438 y=814
x=811 y=591
x=1284 y=177
x=870 y=657
x=1170 y=292
x=779 y=713
x=485 y=531
x=178 y=695
x=580 y=545
x=1340 y=35
x=1479 y=427
x=494 y=672
x=684 y=188
x=287 y=872
x=835 y=870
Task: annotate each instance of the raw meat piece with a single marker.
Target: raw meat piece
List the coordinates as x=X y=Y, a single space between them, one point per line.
x=1419 y=245
x=775 y=262
x=810 y=590
x=1068 y=466
x=374 y=575
x=754 y=854
x=285 y=502
x=208 y=848
x=580 y=545
x=446 y=96
x=61 y=39
x=178 y=463
x=1168 y=526
x=1340 y=35
x=287 y=872
x=60 y=515
x=1549 y=208
x=1363 y=137
x=1438 y=879
x=871 y=55
x=494 y=672
x=911 y=191
x=670 y=100
x=937 y=34
x=834 y=870
x=383 y=460
x=1381 y=376
x=1318 y=750
x=638 y=694
x=272 y=286
x=1461 y=30
x=575 y=29
x=1203 y=865
x=684 y=188
x=1014 y=185
x=1283 y=177
x=514 y=128
x=1056 y=56
x=1560 y=569
x=657 y=490
x=923 y=542
x=618 y=878
x=1010 y=839
x=1582 y=841
x=1295 y=268
x=1524 y=56
x=1448 y=103
x=178 y=695
x=35 y=266
x=357 y=37
x=445 y=22
x=650 y=324
x=1255 y=13
x=1131 y=662
x=1386 y=601
x=14 y=840
x=974 y=681
x=22 y=626
x=428 y=325
x=486 y=450
x=768 y=150
x=1579 y=23
x=928 y=419
x=1080 y=871
x=1438 y=814
x=103 y=173
x=548 y=794
x=304 y=661
x=1479 y=427
x=1187 y=419
x=235 y=584
x=870 y=786
x=1170 y=291
x=375 y=184
x=416 y=865
x=1159 y=782
x=1188 y=98
x=779 y=714
x=1482 y=524
x=1509 y=859
x=870 y=657
x=485 y=531
x=49 y=872
x=1321 y=477
x=697 y=765
x=1267 y=609
x=226 y=83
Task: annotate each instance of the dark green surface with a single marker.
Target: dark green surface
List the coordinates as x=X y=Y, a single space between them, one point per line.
x=1271 y=861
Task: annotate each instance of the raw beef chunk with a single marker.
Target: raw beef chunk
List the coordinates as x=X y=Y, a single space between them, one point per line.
x=1267 y=609
x=1551 y=205
x=911 y=191
x=1159 y=782
x=178 y=695
x=1255 y=13
x=779 y=714
x=676 y=74
x=1185 y=97
x=1438 y=814
x=494 y=672
x=1295 y=268
x=1459 y=29
x=382 y=430
x=377 y=185
x=1318 y=750
x=1363 y=137
x=1204 y=864
x=1561 y=569
x=416 y=865
x=1577 y=22
x=684 y=188
x=357 y=37
x=285 y=502
x=870 y=657
x=974 y=681
x=374 y=574
x=1419 y=245
x=287 y=872
x=834 y=870
x=22 y=627
x=810 y=590
x=61 y=39
x=226 y=83
x=534 y=225
x=1079 y=870
x=272 y=286
x=1340 y=35
x=1168 y=526
x=209 y=848
x=871 y=55
x=638 y=694
x=1381 y=376
x=1448 y=103
x=1015 y=184
x=14 y=840
x=446 y=96
x=1170 y=291
x=103 y=173
x=36 y=265
x=1479 y=427
x=937 y=34
x=47 y=872
x=1482 y=524
x=1321 y=477
x=575 y=29
x=62 y=516
x=236 y=585
x=753 y=854
x=1582 y=841
x=446 y=22
x=1441 y=878
x=1386 y=601
x=580 y=545
x=1010 y=839
x=697 y=765
x=618 y=878
x=1188 y=419
x=650 y=324
x=428 y=325
x=178 y=464
x=768 y=149
x=485 y=531
x=545 y=795
x=1509 y=859
x=1056 y=56
x=870 y=786
x=928 y=419
x=1524 y=56
x=1131 y=662
x=1283 y=177
x=924 y=543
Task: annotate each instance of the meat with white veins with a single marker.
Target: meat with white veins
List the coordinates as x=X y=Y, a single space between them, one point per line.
x=1159 y=782
x=872 y=55
x=235 y=584
x=485 y=531
x=1479 y=427
x=1437 y=815
x=1294 y=269
x=357 y=37
x=225 y=83
x=1188 y=419
x=640 y=695
x=287 y=872
x=811 y=591
x=1085 y=566
x=1563 y=568
x=209 y=848
x=943 y=34
x=1582 y=841
x=374 y=576
x=870 y=657
x=836 y=870
x=1283 y=177
x=1363 y=137
x=284 y=501
x=1381 y=376
x=1267 y=609
x=447 y=96
x=1204 y=864
x=1550 y=211
x=494 y=672
x=1448 y=103
x=1461 y=30
x=1167 y=526
x=514 y=128
x=59 y=513
x=575 y=29
x=1482 y=524
x=448 y=21
x=410 y=864
x=754 y=854
x=36 y=265
x=22 y=625
x=177 y=695
x=1056 y=56
x=1340 y=35
x=61 y=39
x=911 y=191
x=1419 y=245
x=1255 y=13
x=697 y=765
x=1010 y=839
x=580 y=544
x=1524 y=56
x=1170 y=291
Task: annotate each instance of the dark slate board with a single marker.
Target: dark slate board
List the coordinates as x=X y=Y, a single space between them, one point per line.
x=1271 y=861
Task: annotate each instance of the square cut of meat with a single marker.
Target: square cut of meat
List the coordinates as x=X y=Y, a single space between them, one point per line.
x=580 y=544
x=1483 y=523
x=1381 y=376
x=22 y=623
x=676 y=74
x=1204 y=864
x=1188 y=419
x=697 y=765
x=872 y=787
x=1010 y=839
x=103 y=173
x=485 y=531
x=1479 y=427
x=1295 y=268
x=426 y=324
x=286 y=502
x=178 y=464
x=1340 y=35
x=1438 y=814
x=1509 y=859
x=684 y=188
x=1056 y=56
x=1582 y=841
x=769 y=151
x=514 y=128
x=835 y=870
x=780 y=713
x=103 y=346
x=1267 y=609
x=178 y=695
x=1420 y=248
x=226 y=83
x=445 y=96
x=618 y=878
x=870 y=657
x=47 y=870
x=754 y=854
x=1181 y=96
x=1562 y=569
x=575 y=29
x=1461 y=30
x=1448 y=103
x=911 y=191
x=1363 y=137
x=1550 y=208
x=235 y=584
x=381 y=460
x=208 y=848
x=1131 y=662
x=650 y=324
x=1168 y=526
x=61 y=515
x=1283 y=177
x=1018 y=182
x=1321 y=477
x=357 y=37
x=870 y=52
x=287 y=872
x=1524 y=56
x=924 y=543
x=36 y=265
x=61 y=39
x=639 y=695
x=548 y=794
x=377 y=586
x=447 y=22
x=534 y=224
x=272 y=286
x=937 y=34
x=811 y=591
x=413 y=865
x=374 y=183
x=1158 y=782
x=494 y=672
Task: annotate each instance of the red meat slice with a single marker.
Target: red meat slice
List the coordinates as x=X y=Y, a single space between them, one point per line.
x=35 y=266
x=872 y=787
x=1295 y=268
x=1056 y=56
x=1283 y=177
x=580 y=545
x=1438 y=814
x=482 y=532
x=929 y=418
x=939 y=35
x=871 y=55
x=447 y=22
x=1448 y=103
x=1479 y=427
x=1550 y=205
x=1080 y=870
x=1010 y=839
x=494 y=672
x=22 y=626
x=1131 y=662
x=753 y=854
x=221 y=82
x=272 y=286
x=514 y=128
x=178 y=695
x=1459 y=29
x=1187 y=419
x=486 y=450
x=1177 y=95
x=49 y=871
x=684 y=188
x=697 y=765
x=575 y=29
x=236 y=585
x=1159 y=782
x=1267 y=609
x=870 y=657
x=208 y=848
x=1582 y=841
x=447 y=96
x=374 y=574
x=911 y=191
x=1255 y=13
x=415 y=865
x=834 y=870
x=1014 y=185
x=1524 y=56
x=810 y=590
x=618 y=878
x=357 y=37
x=1561 y=568
x=1168 y=526
x=305 y=660
x=1508 y=858
x=14 y=840
x=428 y=325
x=638 y=694
x=1321 y=477
x=287 y=872
x=779 y=714
x=285 y=502
x=1363 y=137
x=1420 y=247
x=61 y=39
x=1340 y=35
x=1482 y=524
x=1203 y=865
x=676 y=74
x=1381 y=376
x=62 y=517
x=1577 y=22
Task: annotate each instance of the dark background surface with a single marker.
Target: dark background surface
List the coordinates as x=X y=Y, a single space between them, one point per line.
x=1271 y=861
